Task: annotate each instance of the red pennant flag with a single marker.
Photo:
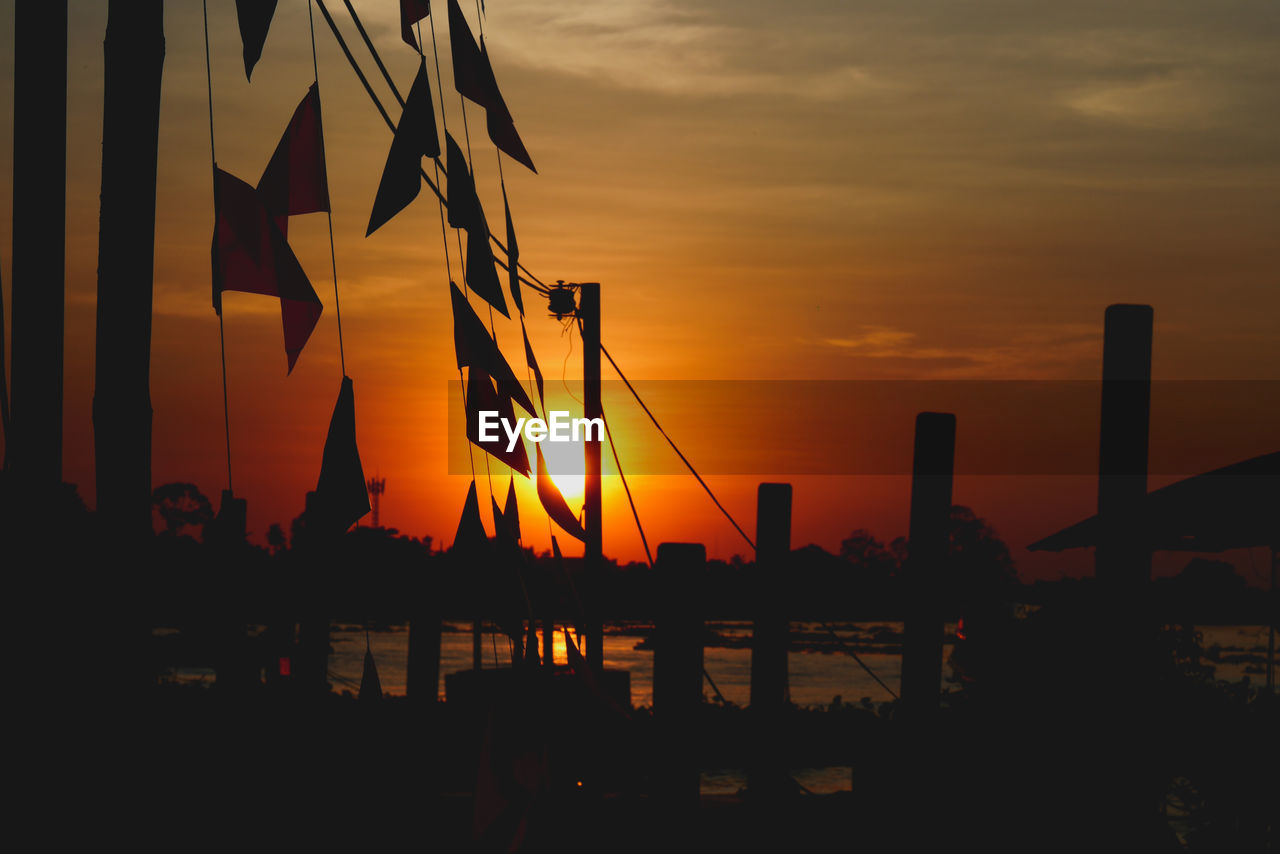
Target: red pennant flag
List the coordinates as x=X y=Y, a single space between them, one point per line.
x=295 y=180
x=513 y=255
x=470 y=538
x=251 y=255
x=533 y=365
x=412 y=11
x=415 y=138
x=255 y=19
x=342 y=497
x=553 y=502
x=474 y=348
x=482 y=397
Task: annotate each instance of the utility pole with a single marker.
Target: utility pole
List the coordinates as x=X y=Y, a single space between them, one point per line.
x=589 y=314
x=39 y=240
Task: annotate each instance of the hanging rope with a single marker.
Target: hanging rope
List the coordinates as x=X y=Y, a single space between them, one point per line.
x=634 y=514
x=333 y=255
x=861 y=663
x=672 y=443
x=213 y=162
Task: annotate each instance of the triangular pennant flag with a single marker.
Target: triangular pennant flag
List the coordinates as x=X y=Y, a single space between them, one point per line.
x=513 y=255
x=370 y=684
x=466 y=213
x=498 y=121
x=499 y=524
x=511 y=510
x=474 y=79
x=470 y=538
x=412 y=11
x=475 y=348
x=533 y=365
x=255 y=19
x=251 y=255
x=462 y=200
x=472 y=76
x=481 y=397
x=342 y=496
x=481 y=274
x=415 y=138
x=295 y=181
x=553 y=502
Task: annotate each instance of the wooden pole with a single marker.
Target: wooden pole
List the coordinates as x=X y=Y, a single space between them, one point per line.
x=422 y=677
x=589 y=314
x=1274 y=618
x=1122 y=560
x=770 y=638
x=134 y=61
x=932 y=469
x=39 y=240
x=677 y=666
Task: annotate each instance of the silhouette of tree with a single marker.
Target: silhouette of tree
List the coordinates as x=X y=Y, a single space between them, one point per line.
x=978 y=557
x=276 y=539
x=181 y=505
x=867 y=554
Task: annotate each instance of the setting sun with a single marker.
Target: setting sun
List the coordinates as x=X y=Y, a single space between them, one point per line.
x=567 y=467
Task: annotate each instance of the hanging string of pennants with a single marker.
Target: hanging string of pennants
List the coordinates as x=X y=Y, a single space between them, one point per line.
x=251 y=252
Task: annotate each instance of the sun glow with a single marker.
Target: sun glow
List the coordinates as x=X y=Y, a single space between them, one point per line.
x=567 y=467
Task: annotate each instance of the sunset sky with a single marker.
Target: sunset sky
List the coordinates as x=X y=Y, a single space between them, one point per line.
x=766 y=191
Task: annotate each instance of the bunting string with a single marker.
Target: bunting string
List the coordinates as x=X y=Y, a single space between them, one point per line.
x=528 y=278
x=213 y=163
x=333 y=255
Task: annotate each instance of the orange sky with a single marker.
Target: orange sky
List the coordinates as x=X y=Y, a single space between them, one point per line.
x=766 y=191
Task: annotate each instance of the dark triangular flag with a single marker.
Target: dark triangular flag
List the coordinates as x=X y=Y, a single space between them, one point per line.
x=415 y=138
x=498 y=121
x=470 y=538
x=342 y=496
x=465 y=212
x=481 y=397
x=251 y=255
x=533 y=365
x=255 y=19
x=412 y=11
x=553 y=502
x=475 y=348
x=481 y=274
x=295 y=181
x=472 y=76
x=513 y=255
x=511 y=510
x=499 y=524
x=370 y=684
x=462 y=200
